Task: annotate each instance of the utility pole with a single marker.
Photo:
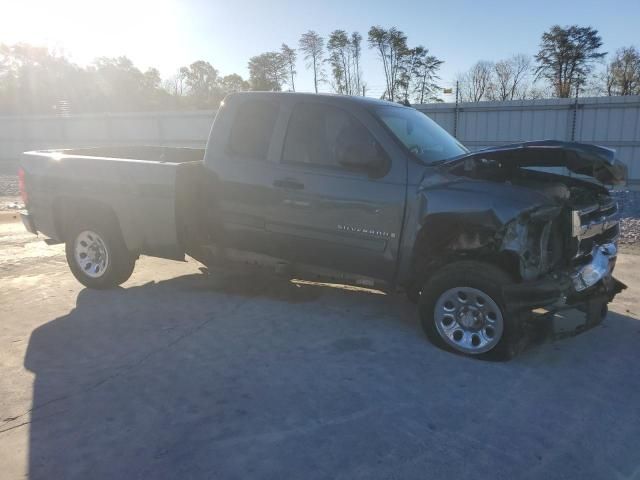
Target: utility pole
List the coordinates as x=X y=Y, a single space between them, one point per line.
x=575 y=115
x=455 y=111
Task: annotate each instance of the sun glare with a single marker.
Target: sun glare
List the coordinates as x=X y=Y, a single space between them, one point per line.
x=144 y=30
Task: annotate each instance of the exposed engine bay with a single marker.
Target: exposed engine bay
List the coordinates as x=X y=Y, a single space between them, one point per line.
x=570 y=236
x=580 y=227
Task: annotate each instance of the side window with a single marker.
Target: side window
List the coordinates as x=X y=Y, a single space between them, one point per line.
x=252 y=129
x=320 y=134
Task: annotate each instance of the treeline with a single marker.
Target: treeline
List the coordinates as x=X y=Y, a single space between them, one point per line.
x=35 y=80
x=410 y=73
x=569 y=62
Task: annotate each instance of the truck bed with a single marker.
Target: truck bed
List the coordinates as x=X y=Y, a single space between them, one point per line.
x=138 y=152
x=137 y=184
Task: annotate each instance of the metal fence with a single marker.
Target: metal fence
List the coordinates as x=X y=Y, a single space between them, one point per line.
x=612 y=122
x=609 y=121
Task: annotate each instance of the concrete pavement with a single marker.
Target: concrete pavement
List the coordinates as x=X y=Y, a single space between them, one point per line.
x=175 y=376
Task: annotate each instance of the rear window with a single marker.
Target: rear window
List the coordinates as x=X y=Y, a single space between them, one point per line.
x=252 y=129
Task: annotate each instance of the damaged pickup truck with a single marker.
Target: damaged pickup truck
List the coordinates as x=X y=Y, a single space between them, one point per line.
x=350 y=190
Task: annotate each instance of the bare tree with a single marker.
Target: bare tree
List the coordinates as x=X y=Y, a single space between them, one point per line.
x=538 y=90
x=507 y=79
x=622 y=76
x=290 y=56
x=510 y=78
x=356 y=54
x=475 y=85
x=175 y=84
x=182 y=77
x=312 y=45
x=567 y=55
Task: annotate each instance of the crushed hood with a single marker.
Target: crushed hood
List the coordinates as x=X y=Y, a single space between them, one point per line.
x=591 y=160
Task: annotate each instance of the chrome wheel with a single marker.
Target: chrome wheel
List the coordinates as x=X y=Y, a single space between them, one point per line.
x=91 y=254
x=468 y=320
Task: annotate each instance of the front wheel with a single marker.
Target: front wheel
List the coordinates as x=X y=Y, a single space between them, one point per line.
x=462 y=309
x=97 y=255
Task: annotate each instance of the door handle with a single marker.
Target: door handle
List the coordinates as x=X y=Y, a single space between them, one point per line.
x=289 y=184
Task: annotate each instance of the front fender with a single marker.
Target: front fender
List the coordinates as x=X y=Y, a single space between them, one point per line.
x=503 y=224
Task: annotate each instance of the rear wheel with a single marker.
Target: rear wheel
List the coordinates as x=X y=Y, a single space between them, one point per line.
x=97 y=255
x=462 y=310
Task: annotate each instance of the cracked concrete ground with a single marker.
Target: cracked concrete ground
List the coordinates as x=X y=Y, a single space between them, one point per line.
x=176 y=376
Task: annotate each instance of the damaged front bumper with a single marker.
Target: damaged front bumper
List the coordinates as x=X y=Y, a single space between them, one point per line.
x=603 y=258
x=580 y=287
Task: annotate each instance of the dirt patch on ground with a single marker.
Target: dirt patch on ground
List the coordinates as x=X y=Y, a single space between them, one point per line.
x=7 y=204
x=9 y=185
x=9 y=193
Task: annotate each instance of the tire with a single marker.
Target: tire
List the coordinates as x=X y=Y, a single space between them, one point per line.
x=462 y=310
x=97 y=255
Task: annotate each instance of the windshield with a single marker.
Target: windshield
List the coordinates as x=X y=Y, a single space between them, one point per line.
x=421 y=135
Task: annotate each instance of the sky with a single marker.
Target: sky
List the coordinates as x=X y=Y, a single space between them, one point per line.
x=167 y=34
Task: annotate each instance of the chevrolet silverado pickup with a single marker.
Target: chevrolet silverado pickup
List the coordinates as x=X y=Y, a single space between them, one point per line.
x=351 y=190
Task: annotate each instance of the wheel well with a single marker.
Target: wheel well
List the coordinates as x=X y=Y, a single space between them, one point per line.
x=67 y=210
x=425 y=267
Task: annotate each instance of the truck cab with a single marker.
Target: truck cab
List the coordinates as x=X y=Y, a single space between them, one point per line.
x=302 y=180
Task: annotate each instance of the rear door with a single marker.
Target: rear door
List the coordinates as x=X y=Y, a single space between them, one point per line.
x=331 y=216
x=241 y=157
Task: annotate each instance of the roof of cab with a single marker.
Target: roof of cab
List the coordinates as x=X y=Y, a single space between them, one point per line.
x=330 y=97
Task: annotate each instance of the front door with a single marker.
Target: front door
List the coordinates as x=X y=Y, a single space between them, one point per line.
x=331 y=215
